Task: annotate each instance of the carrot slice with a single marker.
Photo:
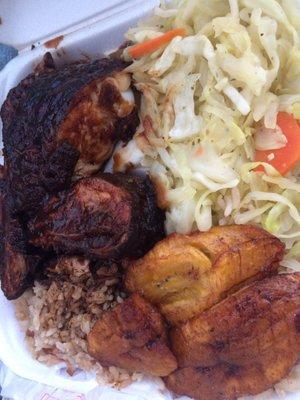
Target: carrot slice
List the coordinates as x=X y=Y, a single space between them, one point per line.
x=142 y=49
x=287 y=157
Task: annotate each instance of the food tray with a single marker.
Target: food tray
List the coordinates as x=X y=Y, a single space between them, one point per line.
x=93 y=40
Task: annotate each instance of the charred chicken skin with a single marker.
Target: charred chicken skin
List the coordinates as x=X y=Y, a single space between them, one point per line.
x=2 y=199
x=241 y=346
x=60 y=123
x=186 y=274
x=17 y=266
x=106 y=217
x=132 y=336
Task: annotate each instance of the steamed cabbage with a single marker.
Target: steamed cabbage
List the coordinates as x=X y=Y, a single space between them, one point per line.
x=208 y=101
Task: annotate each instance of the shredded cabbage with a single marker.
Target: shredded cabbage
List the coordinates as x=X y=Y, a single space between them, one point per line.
x=208 y=101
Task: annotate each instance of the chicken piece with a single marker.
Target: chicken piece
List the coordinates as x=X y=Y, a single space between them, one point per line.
x=61 y=123
x=132 y=336
x=16 y=265
x=2 y=199
x=241 y=346
x=185 y=275
x=102 y=217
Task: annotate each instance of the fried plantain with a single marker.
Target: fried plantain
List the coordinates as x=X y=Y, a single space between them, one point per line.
x=241 y=346
x=132 y=336
x=187 y=274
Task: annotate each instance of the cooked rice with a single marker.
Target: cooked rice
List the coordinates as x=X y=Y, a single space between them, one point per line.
x=59 y=312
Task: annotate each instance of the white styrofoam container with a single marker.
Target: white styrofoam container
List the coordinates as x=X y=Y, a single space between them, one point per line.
x=101 y=33
x=27 y=22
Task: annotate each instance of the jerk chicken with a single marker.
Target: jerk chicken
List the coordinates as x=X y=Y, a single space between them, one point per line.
x=132 y=336
x=105 y=216
x=17 y=265
x=2 y=200
x=186 y=274
x=241 y=346
x=60 y=126
x=62 y=122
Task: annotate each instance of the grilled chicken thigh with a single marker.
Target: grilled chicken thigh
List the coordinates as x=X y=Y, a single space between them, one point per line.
x=106 y=217
x=2 y=200
x=59 y=124
x=186 y=274
x=17 y=266
x=63 y=122
x=132 y=336
x=241 y=346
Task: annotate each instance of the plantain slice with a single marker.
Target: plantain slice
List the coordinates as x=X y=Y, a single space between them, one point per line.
x=186 y=274
x=241 y=346
x=132 y=336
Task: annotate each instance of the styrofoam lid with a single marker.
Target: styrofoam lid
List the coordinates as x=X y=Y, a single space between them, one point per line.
x=27 y=22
